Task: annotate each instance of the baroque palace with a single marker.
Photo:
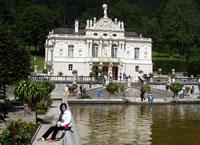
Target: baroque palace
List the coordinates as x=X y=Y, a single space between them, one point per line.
x=102 y=44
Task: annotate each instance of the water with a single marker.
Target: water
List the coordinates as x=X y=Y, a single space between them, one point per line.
x=138 y=124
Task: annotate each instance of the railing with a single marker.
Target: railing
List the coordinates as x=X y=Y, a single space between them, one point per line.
x=187 y=80
x=69 y=79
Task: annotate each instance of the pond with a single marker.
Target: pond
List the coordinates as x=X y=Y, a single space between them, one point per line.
x=138 y=124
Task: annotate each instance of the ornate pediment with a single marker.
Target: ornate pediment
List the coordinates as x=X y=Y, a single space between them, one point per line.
x=105 y=23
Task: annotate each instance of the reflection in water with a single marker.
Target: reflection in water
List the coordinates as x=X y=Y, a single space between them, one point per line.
x=138 y=124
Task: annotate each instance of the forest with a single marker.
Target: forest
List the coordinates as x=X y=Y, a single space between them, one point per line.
x=173 y=26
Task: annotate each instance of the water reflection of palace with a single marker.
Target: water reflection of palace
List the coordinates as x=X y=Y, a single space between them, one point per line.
x=103 y=44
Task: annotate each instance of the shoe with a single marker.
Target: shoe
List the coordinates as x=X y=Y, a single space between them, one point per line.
x=40 y=139
x=50 y=140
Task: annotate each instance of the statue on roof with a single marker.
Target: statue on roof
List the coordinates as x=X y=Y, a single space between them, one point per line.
x=105 y=10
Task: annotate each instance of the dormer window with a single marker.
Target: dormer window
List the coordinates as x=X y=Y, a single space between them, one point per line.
x=95 y=34
x=114 y=35
x=105 y=34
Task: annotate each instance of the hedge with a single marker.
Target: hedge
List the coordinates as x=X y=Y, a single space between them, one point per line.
x=168 y=65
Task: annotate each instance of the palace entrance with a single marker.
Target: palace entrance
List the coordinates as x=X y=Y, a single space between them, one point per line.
x=115 y=73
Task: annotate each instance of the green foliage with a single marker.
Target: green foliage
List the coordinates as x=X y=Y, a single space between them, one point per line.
x=41 y=107
x=92 y=74
x=168 y=65
x=60 y=73
x=140 y=71
x=33 y=92
x=144 y=75
x=99 y=70
x=74 y=72
x=175 y=87
x=159 y=72
x=85 y=96
x=193 y=67
x=121 y=86
x=18 y=132
x=44 y=71
x=185 y=74
x=147 y=88
x=151 y=74
x=198 y=97
x=15 y=59
x=111 y=87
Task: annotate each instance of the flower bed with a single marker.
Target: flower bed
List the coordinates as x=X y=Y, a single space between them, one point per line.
x=18 y=132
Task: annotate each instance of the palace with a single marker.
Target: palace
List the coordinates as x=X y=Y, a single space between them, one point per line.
x=103 y=44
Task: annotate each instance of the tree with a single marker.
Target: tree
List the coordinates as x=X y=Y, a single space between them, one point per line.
x=35 y=23
x=15 y=59
x=177 y=26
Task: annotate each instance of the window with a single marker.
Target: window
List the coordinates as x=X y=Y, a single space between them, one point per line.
x=70 y=51
x=114 y=35
x=137 y=52
x=105 y=34
x=95 y=50
x=95 y=34
x=70 y=68
x=136 y=68
x=114 y=51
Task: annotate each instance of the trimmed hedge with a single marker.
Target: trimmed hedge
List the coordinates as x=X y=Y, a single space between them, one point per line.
x=168 y=65
x=193 y=67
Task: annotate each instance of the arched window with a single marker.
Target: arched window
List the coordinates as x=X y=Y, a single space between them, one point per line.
x=136 y=53
x=114 y=51
x=94 y=50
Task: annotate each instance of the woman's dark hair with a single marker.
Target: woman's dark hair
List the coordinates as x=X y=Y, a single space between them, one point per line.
x=62 y=104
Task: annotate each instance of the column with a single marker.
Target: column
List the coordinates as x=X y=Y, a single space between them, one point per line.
x=100 y=48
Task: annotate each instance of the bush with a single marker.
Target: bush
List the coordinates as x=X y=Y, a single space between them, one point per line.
x=193 y=68
x=74 y=72
x=92 y=74
x=60 y=73
x=168 y=64
x=44 y=71
x=99 y=70
x=175 y=88
x=185 y=74
x=147 y=88
x=18 y=133
x=140 y=71
x=112 y=87
x=144 y=75
x=151 y=74
x=85 y=96
x=41 y=107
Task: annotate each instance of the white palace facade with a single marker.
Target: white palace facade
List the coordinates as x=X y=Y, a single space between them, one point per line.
x=103 y=43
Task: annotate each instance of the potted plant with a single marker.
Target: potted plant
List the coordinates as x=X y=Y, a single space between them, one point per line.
x=99 y=71
x=60 y=73
x=144 y=75
x=74 y=72
x=111 y=88
x=147 y=88
x=140 y=71
x=151 y=74
x=175 y=88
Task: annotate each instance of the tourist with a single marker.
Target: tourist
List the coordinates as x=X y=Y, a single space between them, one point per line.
x=124 y=76
x=98 y=93
x=82 y=89
x=182 y=94
x=142 y=91
x=120 y=76
x=66 y=91
x=64 y=123
x=192 y=90
x=150 y=98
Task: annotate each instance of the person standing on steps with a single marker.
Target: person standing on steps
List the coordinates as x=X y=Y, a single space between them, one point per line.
x=64 y=123
x=67 y=91
x=142 y=91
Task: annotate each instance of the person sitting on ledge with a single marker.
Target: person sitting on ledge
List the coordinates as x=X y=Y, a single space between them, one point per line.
x=64 y=123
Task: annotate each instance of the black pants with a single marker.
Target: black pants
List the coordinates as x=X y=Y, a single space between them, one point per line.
x=53 y=129
x=142 y=96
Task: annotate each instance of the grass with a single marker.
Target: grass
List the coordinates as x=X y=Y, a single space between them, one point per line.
x=39 y=62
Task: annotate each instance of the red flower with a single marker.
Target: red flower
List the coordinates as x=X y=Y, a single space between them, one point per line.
x=8 y=121
x=11 y=132
x=14 y=129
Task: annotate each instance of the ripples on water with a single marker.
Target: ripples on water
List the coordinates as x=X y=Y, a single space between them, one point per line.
x=138 y=124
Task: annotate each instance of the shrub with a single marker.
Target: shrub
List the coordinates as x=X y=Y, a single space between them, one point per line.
x=193 y=67
x=185 y=74
x=144 y=75
x=18 y=132
x=92 y=74
x=151 y=74
x=44 y=71
x=41 y=107
x=140 y=71
x=112 y=87
x=74 y=72
x=147 y=88
x=60 y=73
x=175 y=88
x=85 y=96
x=99 y=70
x=159 y=72
x=168 y=64
x=121 y=87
